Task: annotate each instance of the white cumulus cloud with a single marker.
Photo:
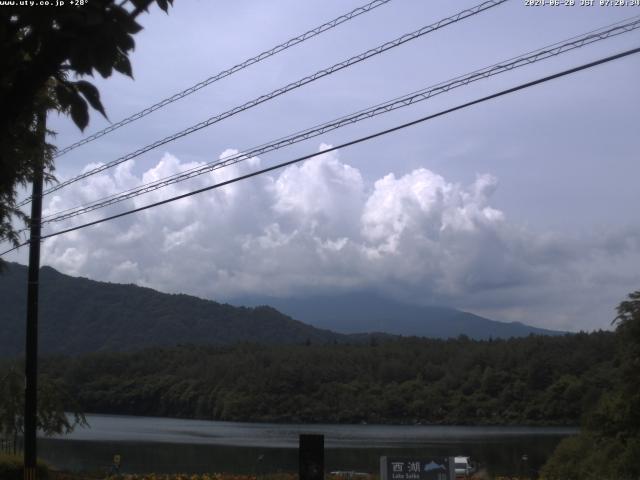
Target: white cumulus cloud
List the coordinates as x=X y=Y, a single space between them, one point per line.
x=319 y=227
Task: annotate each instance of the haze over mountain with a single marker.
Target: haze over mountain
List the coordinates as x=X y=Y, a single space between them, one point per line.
x=361 y=312
x=79 y=315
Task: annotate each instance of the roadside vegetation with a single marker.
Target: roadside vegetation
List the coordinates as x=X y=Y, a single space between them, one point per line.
x=57 y=411
x=12 y=468
x=608 y=447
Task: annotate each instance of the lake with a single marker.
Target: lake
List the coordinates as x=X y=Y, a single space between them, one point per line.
x=168 y=445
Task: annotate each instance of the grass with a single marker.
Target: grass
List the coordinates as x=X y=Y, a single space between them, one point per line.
x=11 y=468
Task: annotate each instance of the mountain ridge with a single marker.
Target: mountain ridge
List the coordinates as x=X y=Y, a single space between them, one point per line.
x=370 y=312
x=79 y=315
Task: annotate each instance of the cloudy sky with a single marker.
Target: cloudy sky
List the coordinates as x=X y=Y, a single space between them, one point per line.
x=523 y=208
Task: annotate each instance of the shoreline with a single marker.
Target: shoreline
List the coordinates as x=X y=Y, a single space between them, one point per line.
x=293 y=422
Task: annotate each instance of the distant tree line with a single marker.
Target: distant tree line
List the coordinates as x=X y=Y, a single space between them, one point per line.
x=534 y=380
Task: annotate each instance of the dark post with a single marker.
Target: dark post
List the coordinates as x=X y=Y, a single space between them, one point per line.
x=311 y=457
x=31 y=352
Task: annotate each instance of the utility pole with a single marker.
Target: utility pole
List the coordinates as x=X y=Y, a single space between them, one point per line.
x=31 y=350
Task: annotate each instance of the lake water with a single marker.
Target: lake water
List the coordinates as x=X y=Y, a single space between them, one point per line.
x=167 y=445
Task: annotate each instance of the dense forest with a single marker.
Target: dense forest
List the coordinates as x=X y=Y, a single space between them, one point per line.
x=78 y=315
x=532 y=380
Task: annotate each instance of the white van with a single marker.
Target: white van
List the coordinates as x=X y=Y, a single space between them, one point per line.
x=462 y=466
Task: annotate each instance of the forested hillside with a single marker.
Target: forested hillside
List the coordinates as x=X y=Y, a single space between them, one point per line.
x=79 y=315
x=533 y=380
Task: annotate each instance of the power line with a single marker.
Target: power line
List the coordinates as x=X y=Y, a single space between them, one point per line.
x=421 y=95
x=399 y=102
x=225 y=73
x=345 y=145
x=282 y=90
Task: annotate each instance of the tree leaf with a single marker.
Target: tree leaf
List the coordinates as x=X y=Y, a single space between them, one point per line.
x=123 y=65
x=126 y=21
x=143 y=4
x=91 y=93
x=80 y=60
x=63 y=95
x=103 y=61
x=125 y=41
x=80 y=112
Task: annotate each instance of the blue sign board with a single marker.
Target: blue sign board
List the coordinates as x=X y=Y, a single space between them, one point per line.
x=405 y=468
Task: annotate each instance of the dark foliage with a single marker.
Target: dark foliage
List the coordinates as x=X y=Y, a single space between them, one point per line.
x=78 y=315
x=608 y=448
x=12 y=468
x=533 y=380
x=57 y=411
x=41 y=49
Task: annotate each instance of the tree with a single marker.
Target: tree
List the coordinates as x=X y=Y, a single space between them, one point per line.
x=53 y=401
x=43 y=52
x=608 y=447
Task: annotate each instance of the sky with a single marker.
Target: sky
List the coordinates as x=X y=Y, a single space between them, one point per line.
x=519 y=209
